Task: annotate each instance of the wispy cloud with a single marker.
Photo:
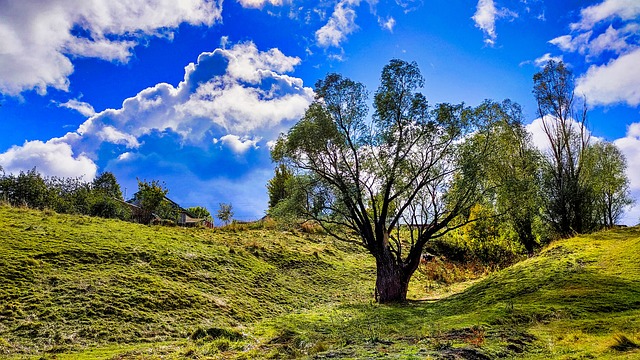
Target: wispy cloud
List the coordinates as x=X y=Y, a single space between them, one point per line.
x=259 y=4
x=339 y=26
x=388 y=23
x=485 y=18
x=82 y=107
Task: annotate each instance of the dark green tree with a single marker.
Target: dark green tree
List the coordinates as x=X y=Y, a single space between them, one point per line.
x=107 y=198
x=369 y=177
x=277 y=187
x=107 y=185
x=513 y=170
x=150 y=196
x=26 y=189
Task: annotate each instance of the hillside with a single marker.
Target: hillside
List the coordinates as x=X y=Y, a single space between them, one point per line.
x=75 y=286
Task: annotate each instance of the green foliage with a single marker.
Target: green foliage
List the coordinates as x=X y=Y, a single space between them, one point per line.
x=485 y=238
x=366 y=177
x=150 y=197
x=26 y=189
x=107 y=185
x=200 y=212
x=278 y=187
x=512 y=172
x=584 y=183
x=65 y=195
x=225 y=213
x=568 y=196
x=606 y=174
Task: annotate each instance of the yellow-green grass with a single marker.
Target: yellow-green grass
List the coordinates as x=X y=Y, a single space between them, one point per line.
x=81 y=287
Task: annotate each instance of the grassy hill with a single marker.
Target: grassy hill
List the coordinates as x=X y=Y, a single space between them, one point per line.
x=82 y=287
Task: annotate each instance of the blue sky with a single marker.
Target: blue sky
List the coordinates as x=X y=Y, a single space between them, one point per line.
x=193 y=92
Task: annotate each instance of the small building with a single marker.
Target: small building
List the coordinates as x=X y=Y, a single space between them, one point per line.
x=183 y=217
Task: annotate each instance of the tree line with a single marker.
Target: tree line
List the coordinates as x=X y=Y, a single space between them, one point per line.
x=413 y=174
x=100 y=197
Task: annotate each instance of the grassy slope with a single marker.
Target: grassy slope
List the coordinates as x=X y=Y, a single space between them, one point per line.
x=80 y=286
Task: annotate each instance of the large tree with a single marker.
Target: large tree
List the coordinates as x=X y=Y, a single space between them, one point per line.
x=150 y=197
x=386 y=180
x=609 y=182
x=569 y=200
x=512 y=170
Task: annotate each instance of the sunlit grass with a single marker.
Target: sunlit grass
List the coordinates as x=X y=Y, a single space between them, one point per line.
x=73 y=286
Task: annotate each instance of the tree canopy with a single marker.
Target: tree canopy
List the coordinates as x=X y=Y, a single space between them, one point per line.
x=397 y=179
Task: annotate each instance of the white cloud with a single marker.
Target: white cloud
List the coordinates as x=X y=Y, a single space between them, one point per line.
x=258 y=4
x=485 y=18
x=544 y=59
x=236 y=144
x=615 y=82
x=82 y=107
x=630 y=147
x=239 y=90
x=51 y=158
x=39 y=37
x=539 y=137
x=571 y=44
x=623 y=9
x=611 y=40
x=340 y=24
x=585 y=43
x=387 y=24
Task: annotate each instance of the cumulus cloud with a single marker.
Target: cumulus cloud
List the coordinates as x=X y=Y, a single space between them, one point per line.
x=340 y=24
x=539 y=137
x=608 y=9
x=240 y=90
x=39 y=38
x=630 y=147
x=615 y=82
x=51 y=158
x=485 y=18
x=82 y=107
x=236 y=144
x=544 y=59
x=237 y=90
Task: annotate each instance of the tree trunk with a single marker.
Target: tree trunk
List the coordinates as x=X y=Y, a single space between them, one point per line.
x=392 y=282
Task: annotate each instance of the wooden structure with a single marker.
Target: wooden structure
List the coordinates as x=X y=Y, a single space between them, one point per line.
x=184 y=217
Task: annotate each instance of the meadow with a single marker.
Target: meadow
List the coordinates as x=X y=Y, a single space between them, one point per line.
x=85 y=287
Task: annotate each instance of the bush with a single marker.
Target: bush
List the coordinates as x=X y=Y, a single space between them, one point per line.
x=458 y=247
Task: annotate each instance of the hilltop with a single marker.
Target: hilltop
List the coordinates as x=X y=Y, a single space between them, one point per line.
x=78 y=286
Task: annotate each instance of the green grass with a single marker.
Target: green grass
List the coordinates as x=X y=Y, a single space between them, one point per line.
x=82 y=287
